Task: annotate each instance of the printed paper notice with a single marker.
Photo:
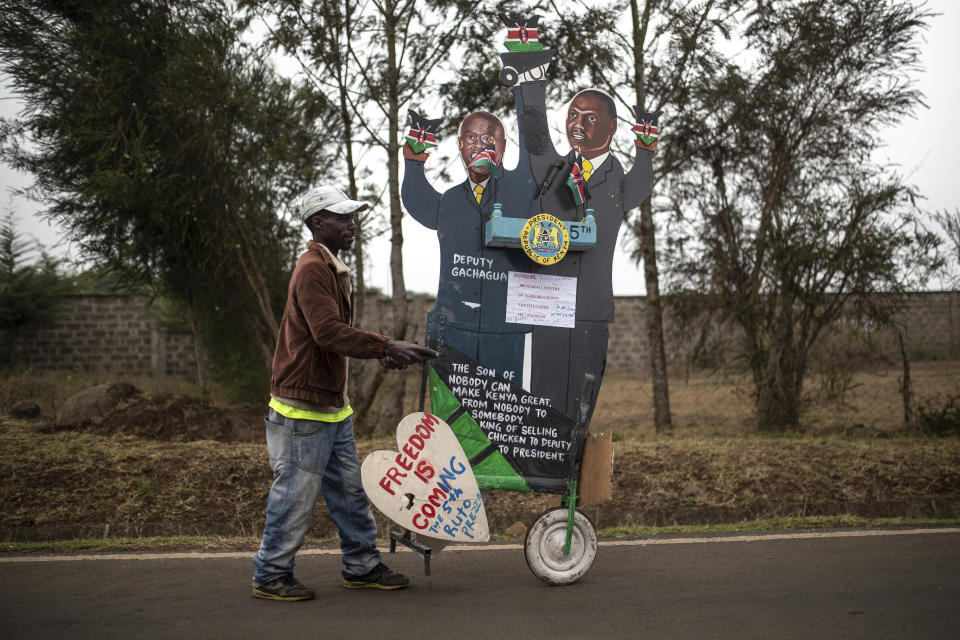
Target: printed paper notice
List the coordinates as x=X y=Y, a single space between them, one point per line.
x=536 y=298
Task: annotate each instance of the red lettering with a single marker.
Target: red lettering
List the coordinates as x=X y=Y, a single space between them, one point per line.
x=428 y=510
x=437 y=497
x=394 y=474
x=430 y=421
x=410 y=451
x=424 y=471
x=385 y=484
x=417 y=524
x=401 y=459
x=413 y=441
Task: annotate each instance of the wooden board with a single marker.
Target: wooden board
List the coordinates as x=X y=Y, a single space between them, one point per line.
x=596 y=476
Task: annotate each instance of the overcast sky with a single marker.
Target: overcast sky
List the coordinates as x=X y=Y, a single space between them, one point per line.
x=924 y=149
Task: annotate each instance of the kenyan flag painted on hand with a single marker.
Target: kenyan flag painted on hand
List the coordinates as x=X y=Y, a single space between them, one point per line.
x=423 y=131
x=486 y=158
x=647 y=132
x=647 y=129
x=420 y=140
x=578 y=186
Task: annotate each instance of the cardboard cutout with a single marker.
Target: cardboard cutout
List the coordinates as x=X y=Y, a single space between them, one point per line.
x=471 y=296
x=525 y=291
x=522 y=34
x=428 y=485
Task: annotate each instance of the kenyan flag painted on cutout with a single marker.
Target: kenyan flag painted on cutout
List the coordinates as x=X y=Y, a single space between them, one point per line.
x=522 y=38
x=578 y=186
x=420 y=140
x=646 y=131
x=486 y=158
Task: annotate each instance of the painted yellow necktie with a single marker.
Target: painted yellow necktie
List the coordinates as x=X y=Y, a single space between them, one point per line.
x=587 y=169
x=479 y=191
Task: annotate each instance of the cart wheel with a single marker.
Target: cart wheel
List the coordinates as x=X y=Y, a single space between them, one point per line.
x=543 y=547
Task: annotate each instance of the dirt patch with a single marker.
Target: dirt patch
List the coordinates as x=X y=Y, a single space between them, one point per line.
x=169 y=417
x=82 y=484
x=167 y=464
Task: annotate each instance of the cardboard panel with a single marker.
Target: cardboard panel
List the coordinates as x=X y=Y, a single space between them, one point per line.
x=596 y=476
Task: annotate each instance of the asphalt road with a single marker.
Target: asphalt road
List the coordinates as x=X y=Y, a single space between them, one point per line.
x=845 y=584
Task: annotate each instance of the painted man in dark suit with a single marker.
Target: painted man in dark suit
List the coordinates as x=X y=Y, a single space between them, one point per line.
x=590 y=125
x=469 y=314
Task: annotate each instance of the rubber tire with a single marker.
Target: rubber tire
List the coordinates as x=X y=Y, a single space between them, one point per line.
x=543 y=547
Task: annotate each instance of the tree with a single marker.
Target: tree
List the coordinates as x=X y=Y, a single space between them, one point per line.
x=374 y=59
x=788 y=226
x=31 y=288
x=687 y=29
x=320 y=37
x=166 y=149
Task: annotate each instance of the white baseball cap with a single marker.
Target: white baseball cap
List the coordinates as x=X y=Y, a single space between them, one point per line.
x=329 y=199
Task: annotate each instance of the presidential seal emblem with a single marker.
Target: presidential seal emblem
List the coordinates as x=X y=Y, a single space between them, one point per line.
x=544 y=239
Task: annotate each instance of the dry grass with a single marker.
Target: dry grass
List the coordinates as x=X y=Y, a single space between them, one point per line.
x=50 y=389
x=705 y=404
x=854 y=459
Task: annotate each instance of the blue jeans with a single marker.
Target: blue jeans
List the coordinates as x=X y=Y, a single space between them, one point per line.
x=308 y=457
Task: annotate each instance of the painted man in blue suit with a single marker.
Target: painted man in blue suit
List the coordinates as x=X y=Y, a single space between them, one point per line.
x=470 y=311
x=591 y=121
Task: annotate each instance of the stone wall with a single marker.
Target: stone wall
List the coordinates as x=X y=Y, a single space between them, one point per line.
x=119 y=333
x=107 y=333
x=931 y=322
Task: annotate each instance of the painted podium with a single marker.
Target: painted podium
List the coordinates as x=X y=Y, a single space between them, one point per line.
x=524 y=301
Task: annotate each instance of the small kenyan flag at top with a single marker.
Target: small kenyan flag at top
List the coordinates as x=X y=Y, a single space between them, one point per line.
x=578 y=186
x=521 y=33
x=646 y=129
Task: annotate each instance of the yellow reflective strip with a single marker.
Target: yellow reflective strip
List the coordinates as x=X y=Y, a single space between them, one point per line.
x=305 y=414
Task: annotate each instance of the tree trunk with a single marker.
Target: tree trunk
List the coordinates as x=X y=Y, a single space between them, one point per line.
x=906 y=387
x=648 y=250
x=654 y=320
x=777 y=407
x=394 y=406
x=268 y=323
x=366 y=376
x=198 y=347
x=779 y=389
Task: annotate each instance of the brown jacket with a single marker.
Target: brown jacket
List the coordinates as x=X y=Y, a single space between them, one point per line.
x=316 y=335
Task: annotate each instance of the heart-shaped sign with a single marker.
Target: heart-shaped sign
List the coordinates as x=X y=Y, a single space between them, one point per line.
x=428 y=486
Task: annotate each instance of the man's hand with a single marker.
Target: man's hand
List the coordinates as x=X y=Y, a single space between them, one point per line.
x=408 y=352
x=390 y=363
x=422 y=136
x=647 y=128
x=410 y=154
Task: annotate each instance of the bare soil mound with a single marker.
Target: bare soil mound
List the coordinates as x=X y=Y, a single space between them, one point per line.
x=169 y=417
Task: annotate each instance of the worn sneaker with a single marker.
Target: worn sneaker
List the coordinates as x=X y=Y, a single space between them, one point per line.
x=380 y=577
x=285 y=588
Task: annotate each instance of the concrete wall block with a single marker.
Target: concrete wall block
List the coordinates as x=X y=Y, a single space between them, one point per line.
x=98 y=331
